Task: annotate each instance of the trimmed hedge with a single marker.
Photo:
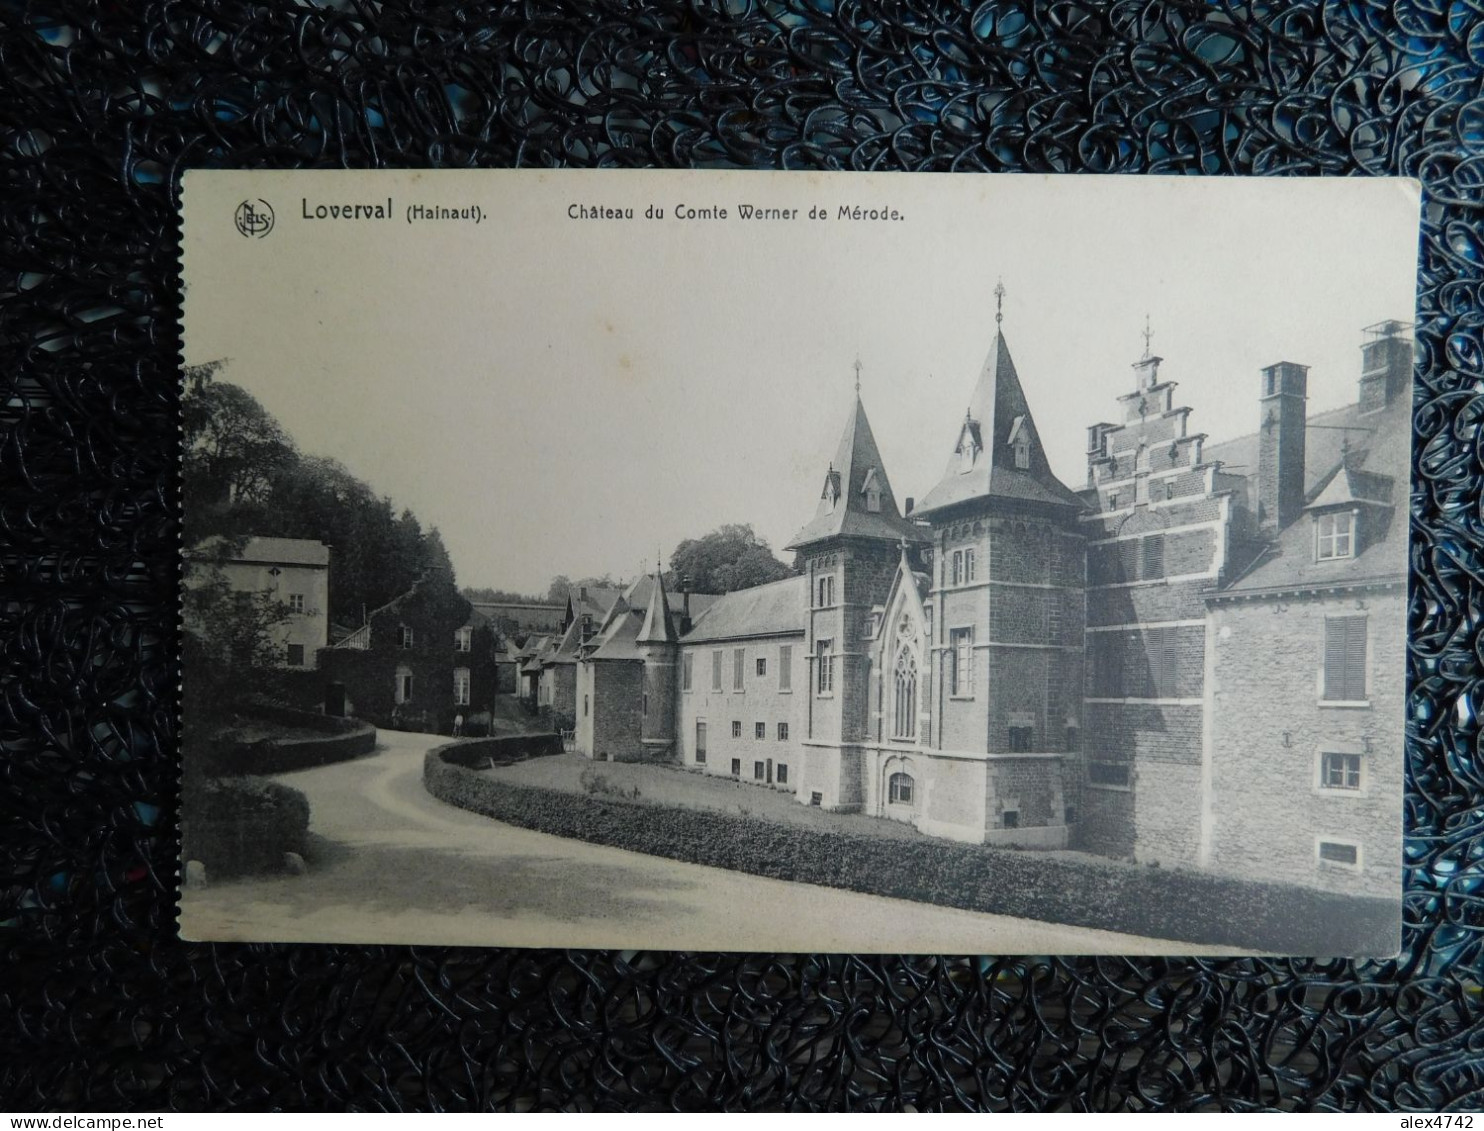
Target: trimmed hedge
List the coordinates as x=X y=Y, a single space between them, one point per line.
x=1160 y=903
x=501 y=750
x=260 y=708
x=343 y=739
x=242 y=825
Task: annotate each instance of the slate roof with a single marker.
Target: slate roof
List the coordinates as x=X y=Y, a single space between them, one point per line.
x=275 y=551
x=659 y=626
x=1379 y=469
x=619 y=639
x=997 y=409
x=641 y=590
x=774 y=609
x=1324 y=438
x=565 y=651
x=599 y=601
x=855 y=458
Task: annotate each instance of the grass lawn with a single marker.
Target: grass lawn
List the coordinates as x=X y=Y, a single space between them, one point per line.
x=673 y=787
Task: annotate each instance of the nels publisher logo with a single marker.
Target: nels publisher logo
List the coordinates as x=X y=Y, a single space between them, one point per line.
x=254 y=218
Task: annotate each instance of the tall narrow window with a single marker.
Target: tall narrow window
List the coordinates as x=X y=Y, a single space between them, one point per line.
x=961 y=661
x=738 y=658
x=785 y=667
x=968 y=566
x=462 y=639
x=701 y=743
x=687 y=669
x=1344 y=659
x=1154 y=557
x=461 y=687
x=716 y=670
x=904 y=715
x=824 y=661
x=826 y=591
x=958 y=567
x=406 y=636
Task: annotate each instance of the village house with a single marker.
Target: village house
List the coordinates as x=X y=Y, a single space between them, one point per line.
x=419 y=662
x=294 y=572
x=1195 y=660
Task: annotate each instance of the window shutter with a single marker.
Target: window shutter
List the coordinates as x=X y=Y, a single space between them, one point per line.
x=1154 y=556
x=1355 y=659
x=1128 y=560
x=1344 y=658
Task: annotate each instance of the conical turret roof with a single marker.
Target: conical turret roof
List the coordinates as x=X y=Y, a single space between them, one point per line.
x=659 y=626
x=998 y=422
x=855 y=477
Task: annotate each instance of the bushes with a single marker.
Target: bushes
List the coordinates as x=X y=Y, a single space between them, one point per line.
x=284 y=755
x=240 y=825
x=501 y=750
x=260 y=708
x=1194 y=907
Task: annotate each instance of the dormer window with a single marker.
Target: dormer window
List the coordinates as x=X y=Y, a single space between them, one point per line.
x=968 y=445
x=831 y=493
x=1020 y=443
x=1334 y=536
x=872 y=491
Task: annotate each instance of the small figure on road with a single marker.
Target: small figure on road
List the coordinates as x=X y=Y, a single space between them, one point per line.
x=458 y=725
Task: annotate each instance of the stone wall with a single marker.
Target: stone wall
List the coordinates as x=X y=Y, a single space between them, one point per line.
x=1270 y=729
x=761 y=700
x=614 y=734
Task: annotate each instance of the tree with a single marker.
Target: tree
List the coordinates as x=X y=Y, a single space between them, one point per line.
x=729 y=558
x=562 y=586
x=244 y=477
x=234 y=448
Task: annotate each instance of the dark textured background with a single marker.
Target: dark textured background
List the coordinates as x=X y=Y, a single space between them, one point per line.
x=102 y=105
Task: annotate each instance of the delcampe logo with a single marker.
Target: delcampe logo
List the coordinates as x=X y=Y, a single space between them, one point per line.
x=254 y=218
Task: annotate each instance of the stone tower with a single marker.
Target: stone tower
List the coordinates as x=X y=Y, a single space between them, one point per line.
x=1007 y=591
x=658 y=647
x=849 y=552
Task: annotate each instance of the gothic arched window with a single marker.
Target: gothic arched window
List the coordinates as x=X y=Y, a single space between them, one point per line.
x=904 y=679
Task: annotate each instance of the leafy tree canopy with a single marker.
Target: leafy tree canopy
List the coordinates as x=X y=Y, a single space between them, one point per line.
x=244 y=476
x=730 y=558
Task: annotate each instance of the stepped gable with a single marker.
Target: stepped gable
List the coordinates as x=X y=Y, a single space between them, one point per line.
x=997 y=422
x=855 y=479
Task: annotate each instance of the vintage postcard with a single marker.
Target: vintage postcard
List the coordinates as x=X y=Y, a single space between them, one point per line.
x=796 y=562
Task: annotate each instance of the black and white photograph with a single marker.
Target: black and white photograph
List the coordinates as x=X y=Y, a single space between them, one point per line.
x=902 y=563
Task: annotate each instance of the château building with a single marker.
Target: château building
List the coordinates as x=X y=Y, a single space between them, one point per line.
x=1196 y=659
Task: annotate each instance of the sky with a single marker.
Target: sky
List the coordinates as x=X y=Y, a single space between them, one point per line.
x=572 y=396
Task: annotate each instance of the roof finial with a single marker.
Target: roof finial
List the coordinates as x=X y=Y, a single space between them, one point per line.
x=1148 y=334
x=857 y=375
x=999 y=302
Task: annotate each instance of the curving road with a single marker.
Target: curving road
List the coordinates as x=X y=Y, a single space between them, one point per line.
x=390 y=864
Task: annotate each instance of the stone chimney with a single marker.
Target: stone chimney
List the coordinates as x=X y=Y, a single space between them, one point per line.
x=1385 y=364
x=1280 y=445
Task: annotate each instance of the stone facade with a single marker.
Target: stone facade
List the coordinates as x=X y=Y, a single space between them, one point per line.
x=408 y=667
x=753 y=733
x=1129 y=669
